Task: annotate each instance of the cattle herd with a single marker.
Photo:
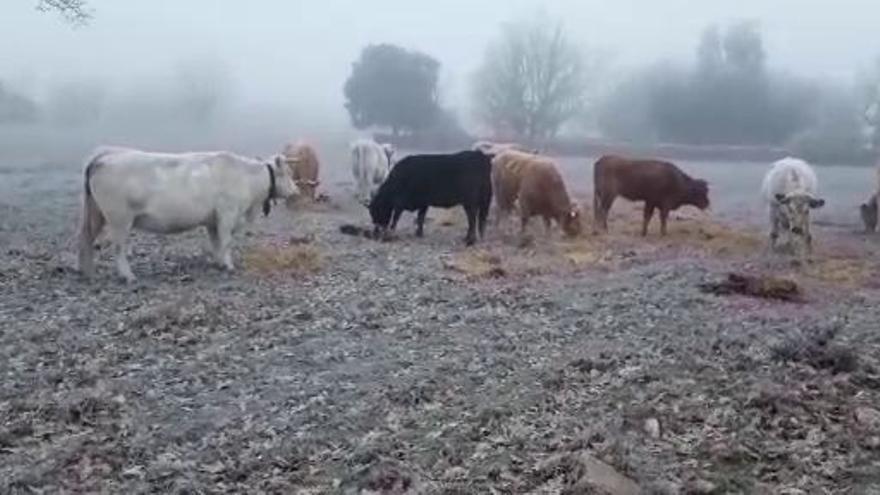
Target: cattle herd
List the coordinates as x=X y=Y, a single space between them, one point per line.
x=168 y=193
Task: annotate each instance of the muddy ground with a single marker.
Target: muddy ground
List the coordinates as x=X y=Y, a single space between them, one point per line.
x=335 y=364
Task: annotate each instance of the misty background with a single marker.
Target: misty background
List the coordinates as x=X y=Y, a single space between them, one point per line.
x=201 y=74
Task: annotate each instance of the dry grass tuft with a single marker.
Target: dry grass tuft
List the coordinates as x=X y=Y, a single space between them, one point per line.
x=851 y=272
x=477 y=264
x=299 y=259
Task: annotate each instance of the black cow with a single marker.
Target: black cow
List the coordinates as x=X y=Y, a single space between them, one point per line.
x=421 y=181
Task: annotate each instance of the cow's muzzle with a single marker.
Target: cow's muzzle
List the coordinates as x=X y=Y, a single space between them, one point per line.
x=797 y=231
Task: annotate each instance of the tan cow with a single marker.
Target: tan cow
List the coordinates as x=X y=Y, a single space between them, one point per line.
x=304 y=167
x=536 y=184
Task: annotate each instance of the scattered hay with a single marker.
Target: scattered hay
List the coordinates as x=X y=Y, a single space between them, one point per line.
x=476 y=264
x=760 y=286
x=841 y=271
x=585 y=253
x=299 y=259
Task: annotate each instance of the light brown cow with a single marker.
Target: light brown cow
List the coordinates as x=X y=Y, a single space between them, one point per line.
x=536 y=184
x=304 y=167
x=507 y=171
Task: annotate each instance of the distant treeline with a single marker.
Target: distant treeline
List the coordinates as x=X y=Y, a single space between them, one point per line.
x=538 y=88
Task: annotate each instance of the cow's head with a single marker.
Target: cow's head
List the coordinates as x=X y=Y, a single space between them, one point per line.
x=698 y=195
x=869 y=214
x=571 y=222
x=795 y=209
x=380 y=211
x=308 y=188
x=284 y=184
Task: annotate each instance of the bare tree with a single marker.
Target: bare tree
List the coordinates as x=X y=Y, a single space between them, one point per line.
x=76 y=12
x=532 y=81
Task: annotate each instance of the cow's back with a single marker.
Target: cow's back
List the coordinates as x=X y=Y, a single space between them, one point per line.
x=184 y=188
x=638 y=179
x=789 y=175
x=439 y=180
x=305 y=159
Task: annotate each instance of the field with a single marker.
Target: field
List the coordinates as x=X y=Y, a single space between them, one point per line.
x=335 y=364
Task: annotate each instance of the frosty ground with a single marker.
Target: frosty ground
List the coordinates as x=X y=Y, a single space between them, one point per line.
x=331 y=363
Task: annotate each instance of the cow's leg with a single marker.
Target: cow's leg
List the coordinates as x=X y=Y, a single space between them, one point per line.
x=119 y=231
x=395 y=217
x=92 y=224
x=225 y=227
x=471 y=237
x=664 y=216
x=808 y=241
x=524 y=225
x=602 y=209
x=420 y=221
x=482 y=218
x=774 y=227
x=214 y=238
x=548 y=227
x=648 y=213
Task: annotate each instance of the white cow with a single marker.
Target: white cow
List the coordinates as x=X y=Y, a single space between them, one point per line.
x=791 y=190
x=168 y=193
x=493 y=149
x=370 y=164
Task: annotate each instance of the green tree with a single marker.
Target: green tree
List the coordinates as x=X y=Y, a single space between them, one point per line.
x=392 y=87
x=532 y=81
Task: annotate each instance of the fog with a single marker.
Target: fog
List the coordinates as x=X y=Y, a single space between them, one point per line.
x=279 y=66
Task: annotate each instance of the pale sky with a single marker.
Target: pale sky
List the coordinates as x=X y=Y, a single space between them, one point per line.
x=299 y=52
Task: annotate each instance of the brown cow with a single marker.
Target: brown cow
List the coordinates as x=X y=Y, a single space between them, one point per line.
x=661 y=185
x=535 y=182
x=304 y=167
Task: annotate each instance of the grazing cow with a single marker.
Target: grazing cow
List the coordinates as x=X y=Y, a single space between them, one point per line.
x=168 y=193
x=542 y=193
x=661 y=185
x=418 y=182
x=304 y=168
x=790 y=188
x=536 y=183
x=370 y=164
x=868 y=209
x=494 y=149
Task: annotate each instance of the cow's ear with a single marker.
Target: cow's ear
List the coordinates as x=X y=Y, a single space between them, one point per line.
x=781 y=199
x=816 y=203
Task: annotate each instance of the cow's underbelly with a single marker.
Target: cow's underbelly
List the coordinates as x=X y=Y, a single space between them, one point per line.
x=170 y=218
x=415 y=204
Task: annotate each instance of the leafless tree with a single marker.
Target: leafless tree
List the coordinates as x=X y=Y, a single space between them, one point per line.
x=532 y=81
x=76 y=12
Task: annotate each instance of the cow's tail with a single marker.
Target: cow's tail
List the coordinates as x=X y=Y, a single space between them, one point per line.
x=92 y=221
